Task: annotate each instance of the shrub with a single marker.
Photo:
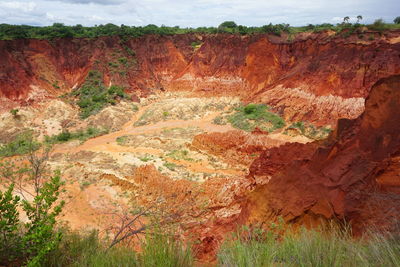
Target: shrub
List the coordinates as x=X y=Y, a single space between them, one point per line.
x=81 y=135
x=14 y=112
x=121 y=140
x=94 y=96
x=196 y=44
x=378 y=25
x=255 y=115
x=21 y=145
x=219 y=120
x=30 y=242
x=298 y=125
x=135 y=108
x=170 y=166
x=11 y=246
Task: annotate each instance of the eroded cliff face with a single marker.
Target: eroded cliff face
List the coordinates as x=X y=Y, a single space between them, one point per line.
x=354 y=176
x=317 y=77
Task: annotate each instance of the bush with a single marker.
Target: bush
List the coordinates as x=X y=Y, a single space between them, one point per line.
x=14 y=112
x=81 y=135
x=378 y=25
x=94 y=96
x=21 y=145
x=219 y=120
x=30 y=242
x=11 y=241
x=255 y=115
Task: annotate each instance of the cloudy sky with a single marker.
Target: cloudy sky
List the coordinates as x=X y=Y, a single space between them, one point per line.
x=193 y=13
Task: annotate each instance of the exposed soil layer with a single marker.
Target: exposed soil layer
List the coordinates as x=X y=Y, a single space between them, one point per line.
x=169 y=152
x=353 y=176
x=318 y=77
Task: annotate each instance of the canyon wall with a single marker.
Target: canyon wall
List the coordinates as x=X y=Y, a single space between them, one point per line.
x=318 y=77
x=353 y=176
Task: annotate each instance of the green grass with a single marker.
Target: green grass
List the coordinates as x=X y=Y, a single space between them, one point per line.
x=255 y=115
x=122 y=140
x=164 y=251
x=334 y=247
x=298 y=125
x=179 y=155
x=196 y=44
x=22 y=144
x=170 y=166
x=81 y=135
x=77 y=249
x=146 y=158
x=219 y=120
x=135 y=107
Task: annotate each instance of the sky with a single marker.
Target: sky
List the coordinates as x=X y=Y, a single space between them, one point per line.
x=194 y=13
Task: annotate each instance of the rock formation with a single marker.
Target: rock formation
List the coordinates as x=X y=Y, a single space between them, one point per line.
x=319 y=77
x=353 y=176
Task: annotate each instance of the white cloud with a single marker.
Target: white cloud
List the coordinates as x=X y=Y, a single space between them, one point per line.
x=193 y=13
x=22 y=6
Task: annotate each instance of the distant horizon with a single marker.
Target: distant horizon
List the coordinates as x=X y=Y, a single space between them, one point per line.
x=194 y=14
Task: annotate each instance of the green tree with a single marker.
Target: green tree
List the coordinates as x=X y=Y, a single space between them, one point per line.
x=346 y=19
x=228 y=24
x=10 y=240
x=359 y=18
x=397 y=20
x=33 y=240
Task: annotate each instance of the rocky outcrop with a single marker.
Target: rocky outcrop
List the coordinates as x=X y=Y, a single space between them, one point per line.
x=319 y=77
x=354 y=176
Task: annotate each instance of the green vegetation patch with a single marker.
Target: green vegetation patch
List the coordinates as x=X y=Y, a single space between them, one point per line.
x=180 y=155
x=323 y=247
x=170 y=166
x=309 y=130
x=88 y=249
x=59 y=30
x=255 y=115
x=122 y=140
x=22 y=144
x=93 y=95
x=81 y=135
x=146 y=158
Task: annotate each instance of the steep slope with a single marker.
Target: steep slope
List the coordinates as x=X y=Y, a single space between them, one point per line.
x=353 y=176
x=318 y=77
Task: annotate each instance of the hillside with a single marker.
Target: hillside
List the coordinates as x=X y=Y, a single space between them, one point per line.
x=212 y=130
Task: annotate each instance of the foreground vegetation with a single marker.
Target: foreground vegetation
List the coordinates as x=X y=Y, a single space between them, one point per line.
x=59 y=30
x=40 y=241
x=333 y=247
x=77 y=249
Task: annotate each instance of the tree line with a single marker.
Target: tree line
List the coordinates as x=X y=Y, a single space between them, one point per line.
x=59 y=30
